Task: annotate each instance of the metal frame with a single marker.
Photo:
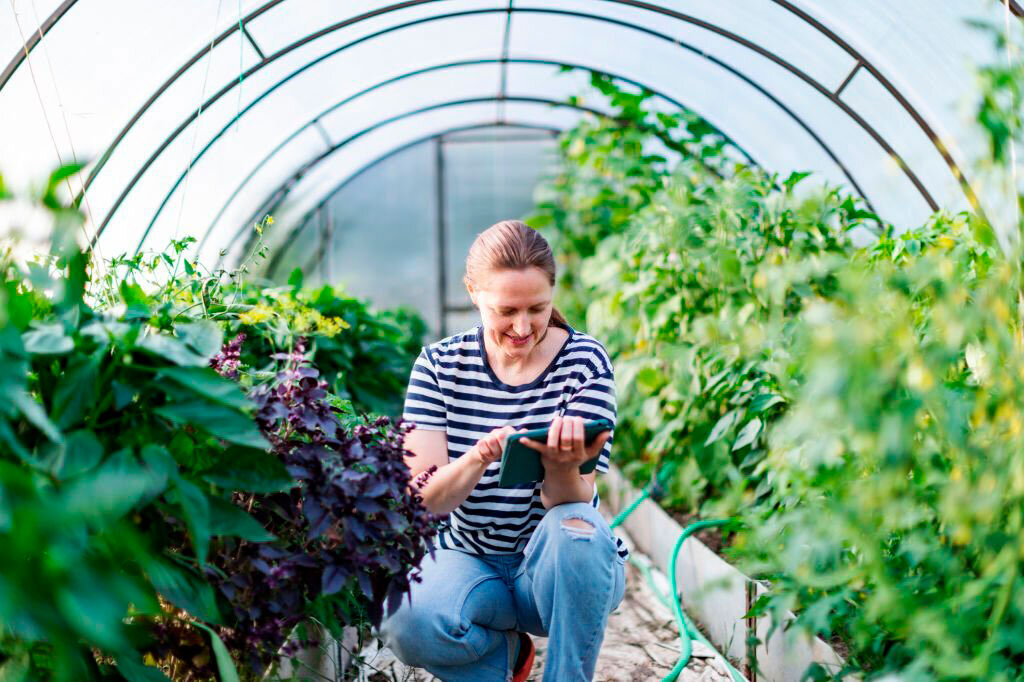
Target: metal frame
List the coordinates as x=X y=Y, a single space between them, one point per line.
x=686 y=46
x=441 y=228
x=321 y=212
x=299 y=225
x=342 y=48
x=410 y=74
x=1014 y=5
x=276 y=197
x=33 y=40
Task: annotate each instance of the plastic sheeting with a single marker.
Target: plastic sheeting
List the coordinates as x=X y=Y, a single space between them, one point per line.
x=194 y=116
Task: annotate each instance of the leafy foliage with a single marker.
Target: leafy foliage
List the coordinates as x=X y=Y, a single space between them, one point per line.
x=169 y=503
x=851 y=394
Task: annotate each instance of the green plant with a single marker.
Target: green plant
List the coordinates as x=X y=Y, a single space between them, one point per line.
x=156 y=519
x=850 y=394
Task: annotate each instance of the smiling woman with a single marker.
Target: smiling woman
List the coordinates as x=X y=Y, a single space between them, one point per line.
x=533 y=559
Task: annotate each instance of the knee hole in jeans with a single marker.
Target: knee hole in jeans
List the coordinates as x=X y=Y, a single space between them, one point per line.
x=577 y=528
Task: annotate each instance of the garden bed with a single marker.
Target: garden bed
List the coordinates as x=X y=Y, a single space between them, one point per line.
x=718 y=596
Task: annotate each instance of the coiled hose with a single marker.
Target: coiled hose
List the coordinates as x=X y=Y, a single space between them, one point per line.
x=688 y=632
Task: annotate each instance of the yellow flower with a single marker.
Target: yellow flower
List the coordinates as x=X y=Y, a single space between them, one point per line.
x=258 y=313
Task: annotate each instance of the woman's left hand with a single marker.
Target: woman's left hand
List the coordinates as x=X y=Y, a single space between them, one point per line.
x=566 y=447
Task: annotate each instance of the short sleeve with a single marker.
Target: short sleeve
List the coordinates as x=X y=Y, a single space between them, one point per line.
x=424 y=402
x=595 y=399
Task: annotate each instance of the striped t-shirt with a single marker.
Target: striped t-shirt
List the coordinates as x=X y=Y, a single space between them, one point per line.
x=453 y=389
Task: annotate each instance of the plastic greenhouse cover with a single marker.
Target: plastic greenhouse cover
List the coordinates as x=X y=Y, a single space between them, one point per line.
x=779 y=77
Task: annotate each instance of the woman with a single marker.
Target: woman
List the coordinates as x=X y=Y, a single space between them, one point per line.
x=538 y=559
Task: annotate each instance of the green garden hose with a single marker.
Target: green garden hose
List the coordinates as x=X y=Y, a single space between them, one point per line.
x=687 y=630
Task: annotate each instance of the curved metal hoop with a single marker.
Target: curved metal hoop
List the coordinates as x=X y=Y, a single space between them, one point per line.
x=1014 y=5
x=764 y=91
x=297 y=228
x=410 y=74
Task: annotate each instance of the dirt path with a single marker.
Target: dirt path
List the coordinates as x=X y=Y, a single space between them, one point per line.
x=640 y=644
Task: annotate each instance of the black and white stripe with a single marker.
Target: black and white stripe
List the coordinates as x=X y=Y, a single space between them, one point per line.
x=452 y=388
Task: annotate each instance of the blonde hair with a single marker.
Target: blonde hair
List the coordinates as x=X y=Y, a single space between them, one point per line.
x=511 y=245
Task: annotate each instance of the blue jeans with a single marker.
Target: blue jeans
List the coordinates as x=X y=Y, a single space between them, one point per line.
x=460 y=621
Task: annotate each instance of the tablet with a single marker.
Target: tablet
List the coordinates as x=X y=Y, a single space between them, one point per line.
x=520 y=464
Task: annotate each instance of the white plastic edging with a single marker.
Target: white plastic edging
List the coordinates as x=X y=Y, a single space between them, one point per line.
x=717 y=595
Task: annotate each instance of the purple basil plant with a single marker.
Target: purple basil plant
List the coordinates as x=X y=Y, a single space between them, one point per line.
x=350 y=533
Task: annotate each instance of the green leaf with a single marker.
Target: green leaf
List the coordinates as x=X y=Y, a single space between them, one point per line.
x=794 y=179
x=196 y=508
x=172 y=349
x=137 y=303
x=34 y=412
x=295 y=280
x=109 y=492
x=225 y=666
x=747 y=434
x=75 y=394
x=80 y=452
x=227 y=518
x=722 y=426
x=202 y=336
x=105 y=331
x=250 y=470
x=63 y=173
x=48 y=339
x=223 y=422
x=207 y=382
x=763 y=401
x=184 y=589
x=159 y=461
x=649 y=379
x=8 y=436
x=123 y=394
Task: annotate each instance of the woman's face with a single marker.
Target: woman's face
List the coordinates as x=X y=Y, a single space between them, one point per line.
x=515 y=308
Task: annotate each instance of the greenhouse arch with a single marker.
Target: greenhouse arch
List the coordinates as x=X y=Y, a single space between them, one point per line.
x=794 y=78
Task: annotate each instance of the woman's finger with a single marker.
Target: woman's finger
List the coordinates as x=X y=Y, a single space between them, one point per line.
x=578 y=437
x=530 y=443
x=555 y=432
x=566 y=440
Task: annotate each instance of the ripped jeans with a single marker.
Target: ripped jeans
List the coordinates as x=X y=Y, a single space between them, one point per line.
x=460 y=623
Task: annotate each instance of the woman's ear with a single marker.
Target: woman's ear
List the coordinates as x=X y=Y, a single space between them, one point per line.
x=472 y=293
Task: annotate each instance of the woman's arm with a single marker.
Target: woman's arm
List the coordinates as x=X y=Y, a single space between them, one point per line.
x=451 y=483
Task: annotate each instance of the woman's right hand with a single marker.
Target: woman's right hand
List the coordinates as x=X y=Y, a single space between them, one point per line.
x=489 y=448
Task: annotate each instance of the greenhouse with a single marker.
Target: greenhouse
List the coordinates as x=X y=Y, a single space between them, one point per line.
x=286 y=282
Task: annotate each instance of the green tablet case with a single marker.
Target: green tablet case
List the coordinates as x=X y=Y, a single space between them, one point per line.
x=520 y=464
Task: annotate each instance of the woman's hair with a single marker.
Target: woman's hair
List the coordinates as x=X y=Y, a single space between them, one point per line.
x=511 y=245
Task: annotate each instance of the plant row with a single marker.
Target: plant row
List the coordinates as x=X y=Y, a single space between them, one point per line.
x=852 y=396
x=188 y=469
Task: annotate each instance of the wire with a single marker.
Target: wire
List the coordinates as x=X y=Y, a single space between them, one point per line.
x=99 y=261
x=199 y=116
x=42 y=105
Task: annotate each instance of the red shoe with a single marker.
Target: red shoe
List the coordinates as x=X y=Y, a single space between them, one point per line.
x=524 y=661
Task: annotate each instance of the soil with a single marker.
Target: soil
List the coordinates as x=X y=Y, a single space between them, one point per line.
x=641 y=643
